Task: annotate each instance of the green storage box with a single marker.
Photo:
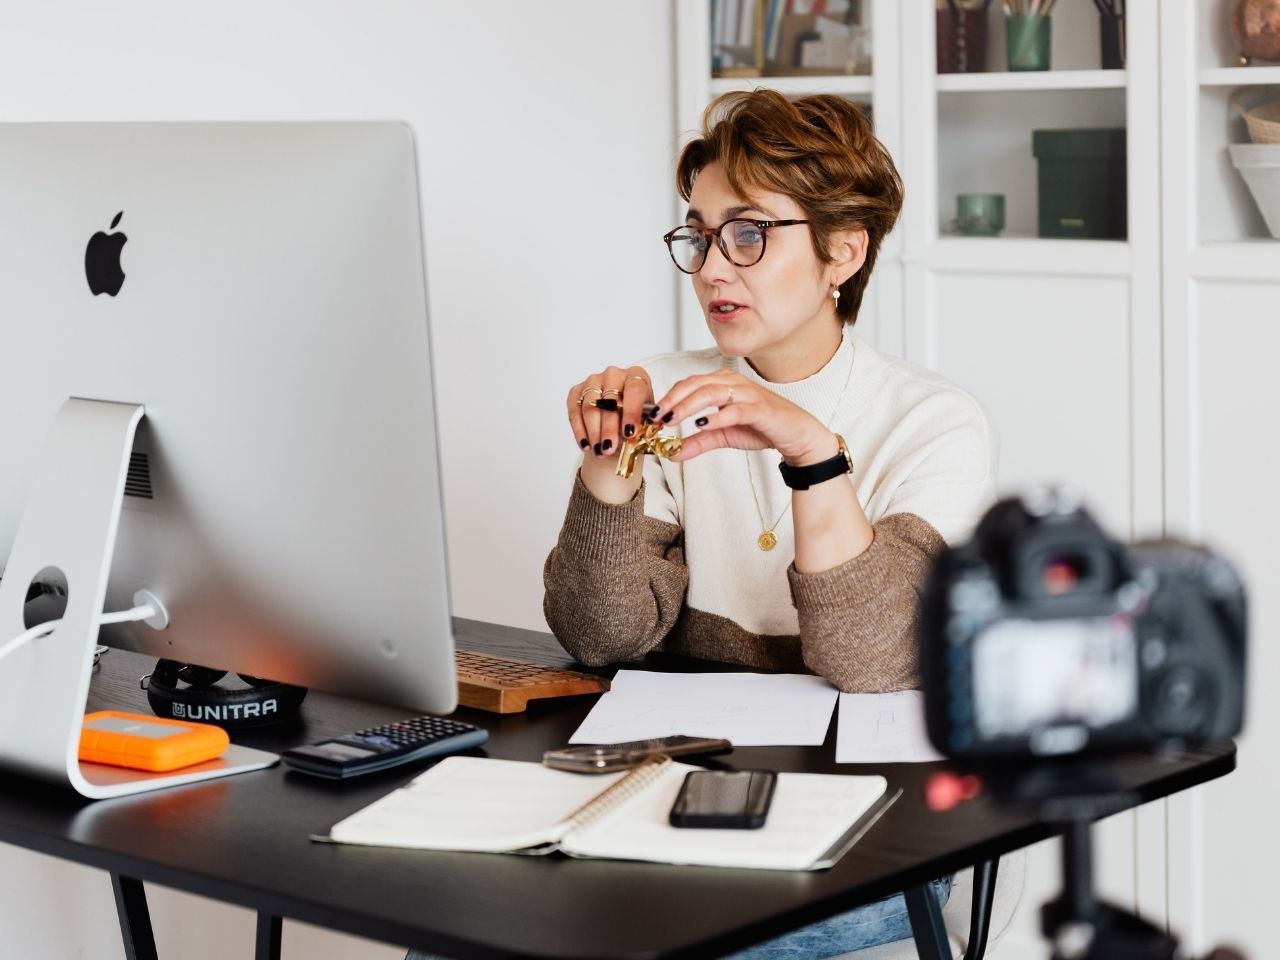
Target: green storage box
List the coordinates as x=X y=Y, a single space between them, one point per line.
x=1082 y=183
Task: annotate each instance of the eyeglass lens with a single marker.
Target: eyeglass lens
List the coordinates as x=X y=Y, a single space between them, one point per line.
x=742 y=241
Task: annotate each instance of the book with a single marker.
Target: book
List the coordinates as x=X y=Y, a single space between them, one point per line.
x=509 y=806
x=747 y=24
x=773 y=25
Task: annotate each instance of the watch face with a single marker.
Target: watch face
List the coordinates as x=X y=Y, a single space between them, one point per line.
x=848 y=460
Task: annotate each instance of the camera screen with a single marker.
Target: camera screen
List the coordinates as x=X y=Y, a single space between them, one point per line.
x=1033 y=674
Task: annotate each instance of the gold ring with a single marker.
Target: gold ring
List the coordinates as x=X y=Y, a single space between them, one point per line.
x=730 y=400
x=583 y=396
x=636 y=376
x=606 y=393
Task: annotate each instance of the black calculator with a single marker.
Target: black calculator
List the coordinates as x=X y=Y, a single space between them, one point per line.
x=380 y=748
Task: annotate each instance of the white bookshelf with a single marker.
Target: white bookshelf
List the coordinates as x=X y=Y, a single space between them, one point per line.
x=1032 y=80
x=1218 y=212
x=1221 y=285
x=1244 y=260
x=1030 y=256
x=1238 y=76
x=859 y=87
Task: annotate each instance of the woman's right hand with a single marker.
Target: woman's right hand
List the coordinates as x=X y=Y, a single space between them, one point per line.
x=599 y=432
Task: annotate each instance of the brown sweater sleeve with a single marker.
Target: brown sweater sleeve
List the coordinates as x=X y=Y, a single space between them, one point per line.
x=858 y=620
x=615 y=581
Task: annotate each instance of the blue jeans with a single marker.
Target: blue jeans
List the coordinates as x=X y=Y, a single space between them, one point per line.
x=870 y=925
x=881 y=921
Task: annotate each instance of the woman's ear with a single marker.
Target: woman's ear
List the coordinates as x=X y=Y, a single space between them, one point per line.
x=848 y=249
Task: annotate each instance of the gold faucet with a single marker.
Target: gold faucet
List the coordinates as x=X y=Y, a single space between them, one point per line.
x=648 y=440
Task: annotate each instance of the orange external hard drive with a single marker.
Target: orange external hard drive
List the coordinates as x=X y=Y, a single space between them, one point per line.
x=148 y=743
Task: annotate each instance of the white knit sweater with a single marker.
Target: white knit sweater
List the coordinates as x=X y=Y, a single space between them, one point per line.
x=919 y=445
x=678 y=567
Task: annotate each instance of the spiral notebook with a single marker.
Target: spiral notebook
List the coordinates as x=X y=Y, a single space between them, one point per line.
x=508 y=806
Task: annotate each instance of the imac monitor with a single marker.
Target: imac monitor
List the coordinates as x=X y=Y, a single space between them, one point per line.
x=259 y=290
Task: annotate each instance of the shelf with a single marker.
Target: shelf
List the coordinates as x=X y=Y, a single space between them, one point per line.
x=797 y=86
x=1031 y=255
x=1032 y=80
x=1238 y=76
x=1247 y=260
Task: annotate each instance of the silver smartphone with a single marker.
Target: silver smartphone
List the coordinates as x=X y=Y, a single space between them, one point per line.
x=603 y=758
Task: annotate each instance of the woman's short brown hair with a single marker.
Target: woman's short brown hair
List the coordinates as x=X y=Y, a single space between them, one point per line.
x=818 y=150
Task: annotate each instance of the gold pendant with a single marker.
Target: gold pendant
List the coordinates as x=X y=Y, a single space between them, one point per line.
x=767 y=540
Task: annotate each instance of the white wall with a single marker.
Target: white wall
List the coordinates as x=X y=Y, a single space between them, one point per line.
x=546 y=133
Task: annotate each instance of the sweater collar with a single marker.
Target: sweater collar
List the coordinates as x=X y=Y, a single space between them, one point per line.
x=817 y=394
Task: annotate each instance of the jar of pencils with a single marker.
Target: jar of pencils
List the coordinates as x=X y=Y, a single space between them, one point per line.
x=1027 y=34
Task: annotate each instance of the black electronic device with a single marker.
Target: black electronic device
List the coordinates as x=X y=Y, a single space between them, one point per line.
x=187 y=691
x=607 y=757
x=380 y=748
x=734 y=799
x=1043 y=636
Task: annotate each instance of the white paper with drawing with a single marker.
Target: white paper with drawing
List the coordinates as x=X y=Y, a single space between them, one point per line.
x=750 y=709
x=883 y=728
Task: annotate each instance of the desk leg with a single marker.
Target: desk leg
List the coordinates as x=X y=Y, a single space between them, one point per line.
x=269 y=937
x=926 y=923
x=984 y=895
x=135 y=921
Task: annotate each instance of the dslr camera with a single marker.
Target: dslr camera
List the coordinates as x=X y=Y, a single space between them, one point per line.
x=1042 y=636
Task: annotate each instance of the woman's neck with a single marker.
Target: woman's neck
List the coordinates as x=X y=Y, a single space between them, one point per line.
x=798 y=359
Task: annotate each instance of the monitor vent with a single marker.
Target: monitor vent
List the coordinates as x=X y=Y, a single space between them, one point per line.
x=138 y=481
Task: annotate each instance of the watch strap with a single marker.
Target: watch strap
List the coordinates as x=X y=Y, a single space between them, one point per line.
x=802 y=478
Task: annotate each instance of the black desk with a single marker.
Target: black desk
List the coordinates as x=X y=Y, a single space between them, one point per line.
x=243 y=840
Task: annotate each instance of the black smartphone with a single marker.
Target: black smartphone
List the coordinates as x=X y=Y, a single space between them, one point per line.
x=733 y=799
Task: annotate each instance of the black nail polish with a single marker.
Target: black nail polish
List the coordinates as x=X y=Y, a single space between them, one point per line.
x=584 y=443
x=596 y=449
x=608 y=444
x=607 y=403
x=628 y=430
x=666 y=417
x=700 y=422
x=652 y=415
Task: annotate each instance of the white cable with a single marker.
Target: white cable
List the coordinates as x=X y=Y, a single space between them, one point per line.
x=143 y=611
x=35 y=633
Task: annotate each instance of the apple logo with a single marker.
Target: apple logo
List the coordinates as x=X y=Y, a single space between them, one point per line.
x=102 y=260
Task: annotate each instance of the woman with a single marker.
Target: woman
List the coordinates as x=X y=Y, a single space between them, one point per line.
x=718 y=552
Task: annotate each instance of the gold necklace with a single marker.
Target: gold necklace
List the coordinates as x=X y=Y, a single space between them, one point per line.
x=768 y=539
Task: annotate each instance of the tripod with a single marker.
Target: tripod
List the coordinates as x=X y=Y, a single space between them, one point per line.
x=1079 y=926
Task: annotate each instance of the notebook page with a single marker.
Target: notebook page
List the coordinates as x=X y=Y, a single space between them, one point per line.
x=810 y=812
x=474 y=803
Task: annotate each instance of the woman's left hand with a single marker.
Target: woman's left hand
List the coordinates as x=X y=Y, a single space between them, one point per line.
x=748 y=417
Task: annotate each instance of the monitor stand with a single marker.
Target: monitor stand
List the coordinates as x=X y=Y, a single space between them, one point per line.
x=69 y=527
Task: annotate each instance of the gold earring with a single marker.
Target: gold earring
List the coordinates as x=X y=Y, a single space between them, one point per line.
x=835 y=294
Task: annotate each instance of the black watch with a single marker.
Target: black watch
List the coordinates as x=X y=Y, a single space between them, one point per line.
x=802 y=478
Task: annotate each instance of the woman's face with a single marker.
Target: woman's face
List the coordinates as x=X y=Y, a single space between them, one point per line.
x=778 y=312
